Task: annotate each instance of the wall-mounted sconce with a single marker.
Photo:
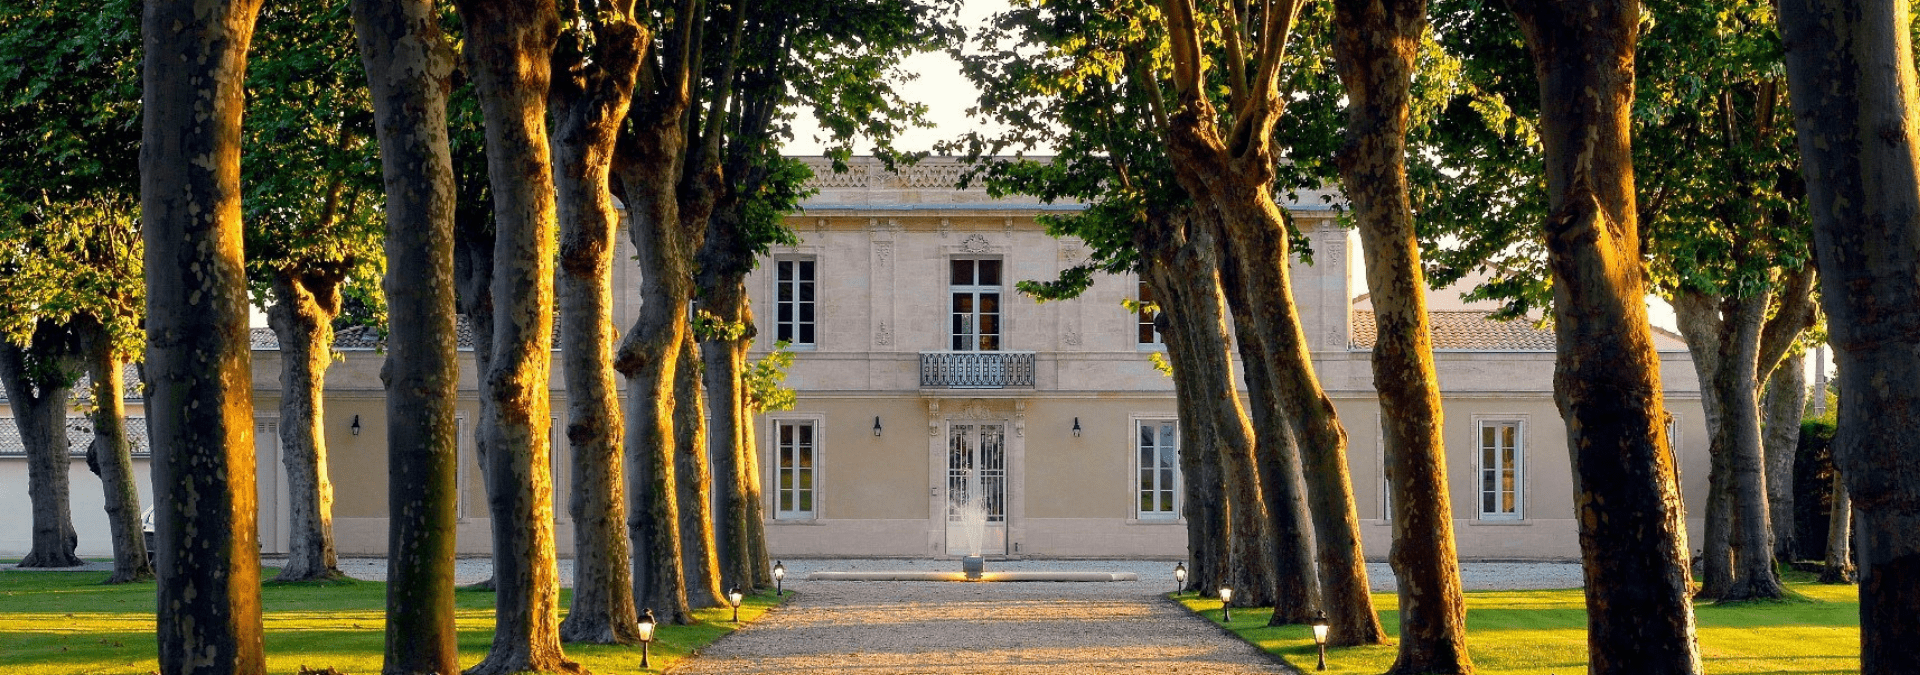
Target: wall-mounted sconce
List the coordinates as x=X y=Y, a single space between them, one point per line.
x=876 y=425
x=355 y=427
x=1076 y=427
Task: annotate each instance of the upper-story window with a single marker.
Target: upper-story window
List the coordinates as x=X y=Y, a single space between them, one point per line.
x=975 y=289
x=793 y=301
x=1145 y=334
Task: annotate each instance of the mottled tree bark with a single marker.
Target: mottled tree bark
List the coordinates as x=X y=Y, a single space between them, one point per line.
x=508 y=45
x=112 y=456
x=590 y=99
x=1737 y=437
x=1375 y=46
x=1786 y=398
x=408 y=63
x=730 y=436
x=301 y=316
x=38 y=387
x=1850 y=67
x=201 y=418
x=1232 y=171
x=694 y=471
x=473 y=241
x=1606 y=374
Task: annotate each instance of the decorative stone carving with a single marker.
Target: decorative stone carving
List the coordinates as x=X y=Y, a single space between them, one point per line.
x=884 y=336
x=1071 y=337
x=933 y=417
x=974 y=244
x=883 y=254
x=946 y=226
x=977 y=409
x=1020 y=417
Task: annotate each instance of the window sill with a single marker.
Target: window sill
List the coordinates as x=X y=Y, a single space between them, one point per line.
x=793 y=521
x=1156 y=521
x=1500 y=523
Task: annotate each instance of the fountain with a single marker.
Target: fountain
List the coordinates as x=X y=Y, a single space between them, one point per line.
x=973 y=528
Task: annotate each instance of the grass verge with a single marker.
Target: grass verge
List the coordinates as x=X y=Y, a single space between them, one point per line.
x=1545 y=633
x=68 y=623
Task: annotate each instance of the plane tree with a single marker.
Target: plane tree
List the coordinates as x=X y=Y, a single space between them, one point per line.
x=70 y=249
x=313 y=231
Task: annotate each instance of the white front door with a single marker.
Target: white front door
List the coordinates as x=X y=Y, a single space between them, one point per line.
x=976 y=488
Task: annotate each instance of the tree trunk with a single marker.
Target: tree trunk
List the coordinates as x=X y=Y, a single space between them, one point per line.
x=1296 y=589
x=695 y=485
x=1853 y=93
x=649 y=357
x=112 y=454
x=589 y=103
x=1786 y=396
x=507 y=49
x=1282 y=486
x=1698 y=317
x=408 y=62
x=725 y=297
x=1258 y=244
x=1375 y=46
x=1197 y=287
x=39 y=403
x=1737 y=440
x=302 y=320
x=473 y=243
x=1839 y=563
x=197 y=348
x=1606 y=375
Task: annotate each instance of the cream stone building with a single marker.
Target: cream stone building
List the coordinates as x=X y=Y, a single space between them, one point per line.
x=923 y=377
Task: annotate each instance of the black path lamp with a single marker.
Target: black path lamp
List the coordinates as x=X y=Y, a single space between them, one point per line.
x=1320 y=636
x=1179 y=577
x=646 y=635
x=779 y=575
x=733 y=598
x=1226 y=598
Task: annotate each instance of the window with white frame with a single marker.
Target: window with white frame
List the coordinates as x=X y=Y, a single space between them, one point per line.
x=796 y=448
x=975 y=291
x=1157 y=464
x=1145 y=335
x=1501 y=449
x=793 y=301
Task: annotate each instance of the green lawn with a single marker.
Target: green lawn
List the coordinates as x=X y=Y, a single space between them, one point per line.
x=67 y=623
x=1545 y=633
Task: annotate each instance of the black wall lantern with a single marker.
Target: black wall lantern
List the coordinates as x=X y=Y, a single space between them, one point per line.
x=1076 y=427
x=355 y=427
x=876 y=425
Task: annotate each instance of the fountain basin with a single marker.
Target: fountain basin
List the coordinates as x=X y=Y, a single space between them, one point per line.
x=973 y=566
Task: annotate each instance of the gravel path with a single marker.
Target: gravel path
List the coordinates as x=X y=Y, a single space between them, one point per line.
x=902 y=628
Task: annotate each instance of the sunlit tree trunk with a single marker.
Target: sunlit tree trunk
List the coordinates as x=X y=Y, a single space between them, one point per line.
x=508 y=45
x=201 y=417
x=590 y=99
x=1375 y=47
x=301 y=316
x=1606 y=375
x=694 y=472
x=1838 y=567
x=1850 y=67
x=408 y=62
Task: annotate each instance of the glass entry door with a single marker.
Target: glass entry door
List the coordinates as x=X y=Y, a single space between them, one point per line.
x=976 y=488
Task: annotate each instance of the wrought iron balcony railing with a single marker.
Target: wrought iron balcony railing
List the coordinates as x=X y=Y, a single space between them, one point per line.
x=976 y=370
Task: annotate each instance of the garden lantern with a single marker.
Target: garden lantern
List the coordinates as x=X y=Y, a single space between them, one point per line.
x=733 y=598
x=1320 y=637
x=1179 y=577
x=646 y=635
x=1226 y=597
x=779 y=575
